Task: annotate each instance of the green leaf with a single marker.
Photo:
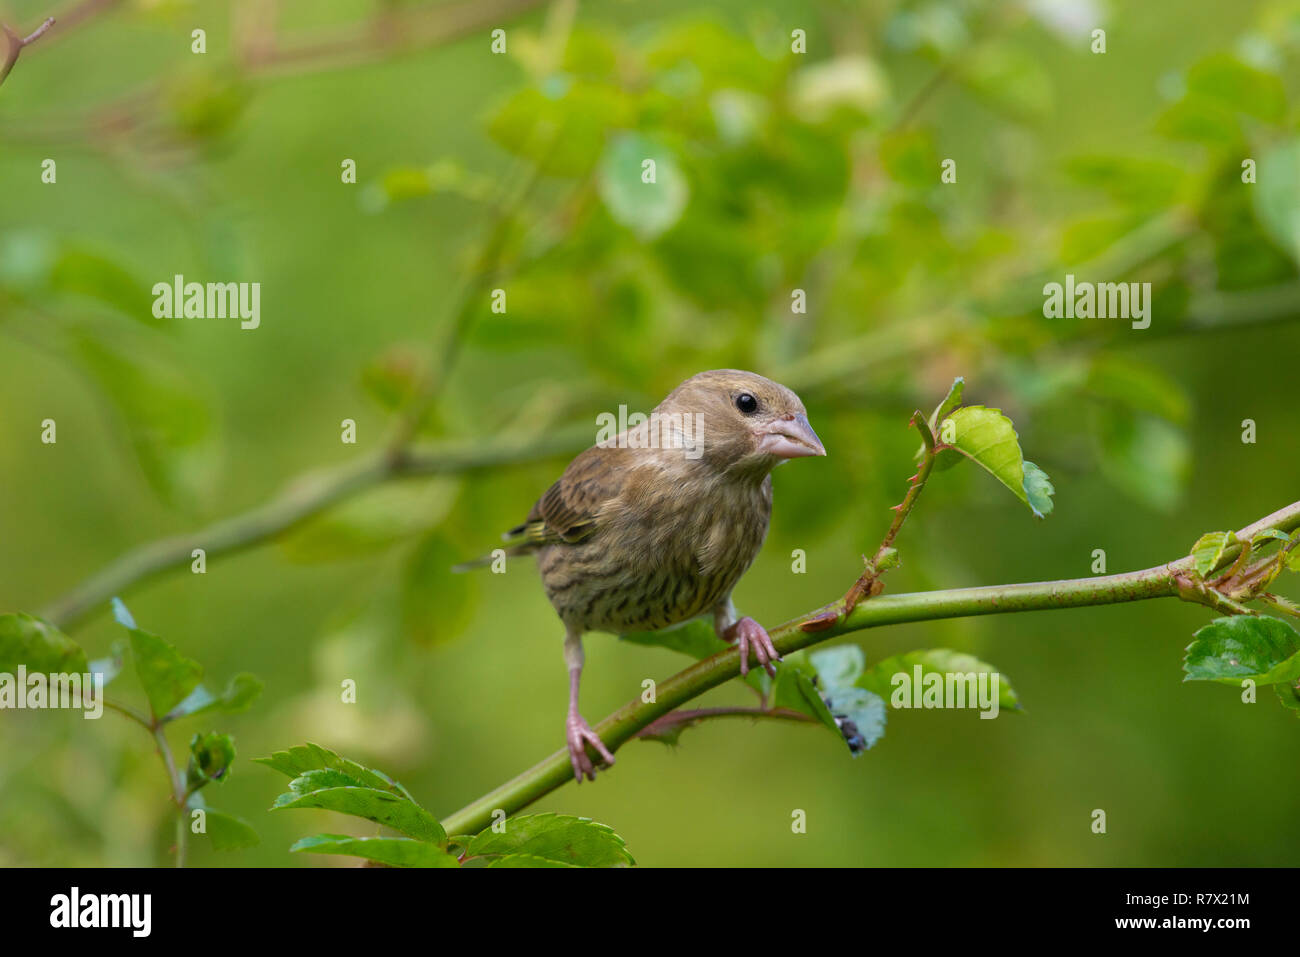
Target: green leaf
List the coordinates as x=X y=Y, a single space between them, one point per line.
x=1208 y=550
x=87 y=273
x=1276 y=195
x=239 y=696
x=166 y=675
x=941 y=661
x=795 y=687
x=860 y=714
x=393 y=851
x=840 y=665
x=38 y=646
x=323 y=778
x=1238 y=87
x=1264 y=649
x=527 y=860
x=950 y=402
x=228 y=832
x=987 y=437
x=648 y=209
x=1278 y=603
x=555 y=837
x=297 y=761
x=211 y=756
x=383 y=807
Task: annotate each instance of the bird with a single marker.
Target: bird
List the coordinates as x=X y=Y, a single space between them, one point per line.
x=654 y=526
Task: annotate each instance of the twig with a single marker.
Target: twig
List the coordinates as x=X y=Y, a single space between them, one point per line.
x=677 y=721
x=178 y=788
x=870 y=584
x=623 y=725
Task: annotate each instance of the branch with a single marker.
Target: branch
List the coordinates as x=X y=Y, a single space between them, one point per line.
x=14 y=44
x=307 y=497
x=870 y=584
x=1162 y=581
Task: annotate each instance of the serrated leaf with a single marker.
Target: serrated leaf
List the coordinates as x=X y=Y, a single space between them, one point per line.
x=321 y=779
x=1208 y=550
x=1288 y=692
x=297 y=761
x=393 y=851
x=1259 y=647
x=38 y=646
x=227 y=832
x=945 y=408
x=840 y=665
x=987 y=437
x=860 y=714
x=939 y=661
x=555 y=837
x=166 y=675
x=239 y=696
x=527 y=860
x=1279 y=603
x=383 y=807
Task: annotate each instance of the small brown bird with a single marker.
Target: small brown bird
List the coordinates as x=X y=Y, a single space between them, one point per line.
x=655 y=525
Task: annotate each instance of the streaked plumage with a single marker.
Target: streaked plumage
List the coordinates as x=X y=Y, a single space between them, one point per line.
x=656 y=525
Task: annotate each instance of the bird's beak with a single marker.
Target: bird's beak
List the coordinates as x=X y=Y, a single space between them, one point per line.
x=790 y=438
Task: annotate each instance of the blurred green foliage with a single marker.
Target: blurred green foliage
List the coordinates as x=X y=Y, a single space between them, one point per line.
x=775 y=171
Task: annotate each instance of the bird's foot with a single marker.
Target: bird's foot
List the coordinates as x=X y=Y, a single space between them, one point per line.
x=749 y=634
x=579 y=735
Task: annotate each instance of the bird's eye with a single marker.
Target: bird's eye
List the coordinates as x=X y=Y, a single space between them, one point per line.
x=746 y=403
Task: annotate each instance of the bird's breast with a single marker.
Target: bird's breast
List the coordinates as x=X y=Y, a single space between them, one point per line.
x=664 y=556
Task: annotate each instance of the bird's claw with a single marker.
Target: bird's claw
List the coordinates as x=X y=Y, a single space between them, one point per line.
x=579 y=735
x=747 y=634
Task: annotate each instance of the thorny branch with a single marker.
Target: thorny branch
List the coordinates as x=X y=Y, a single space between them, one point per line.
x=634 y=718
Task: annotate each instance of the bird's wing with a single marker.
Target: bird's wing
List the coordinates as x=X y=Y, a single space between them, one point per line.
x=571 y=509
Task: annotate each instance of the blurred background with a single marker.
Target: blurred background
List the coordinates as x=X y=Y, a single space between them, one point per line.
x=777 y=170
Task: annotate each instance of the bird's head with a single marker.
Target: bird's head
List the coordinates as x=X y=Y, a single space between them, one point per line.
x=742 y=421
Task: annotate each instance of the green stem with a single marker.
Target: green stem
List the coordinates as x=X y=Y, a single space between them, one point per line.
x=1161 y=581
